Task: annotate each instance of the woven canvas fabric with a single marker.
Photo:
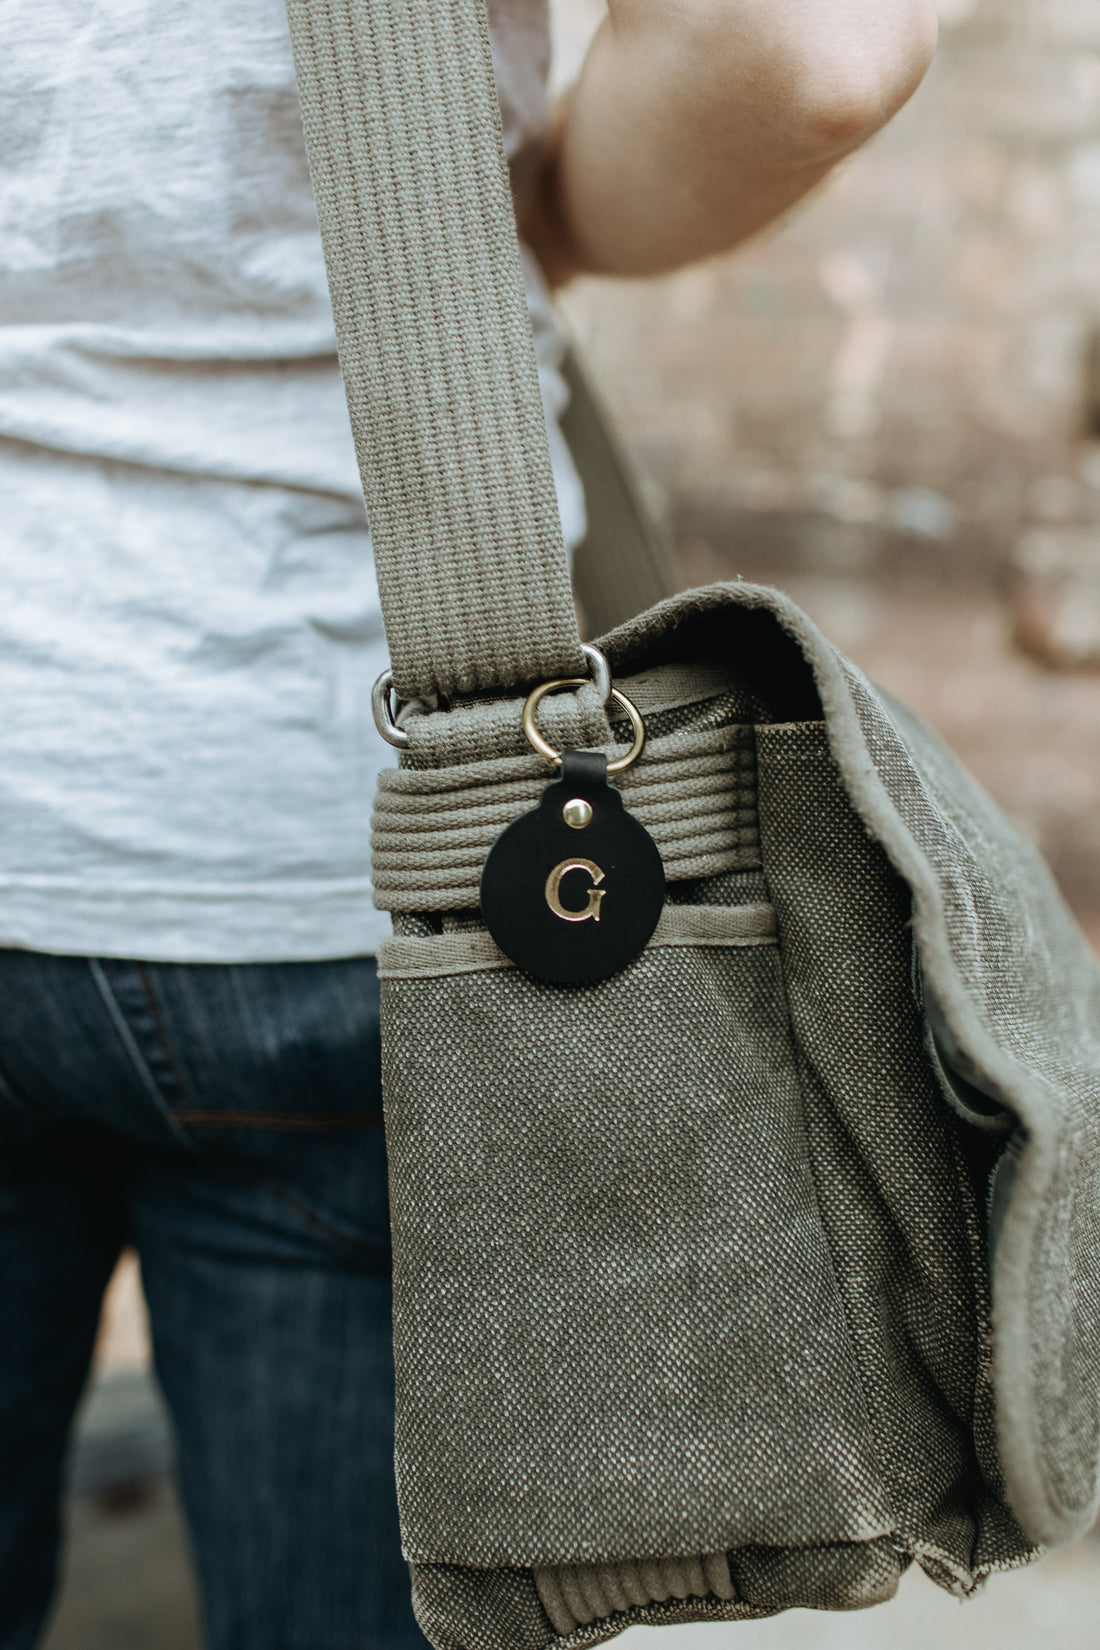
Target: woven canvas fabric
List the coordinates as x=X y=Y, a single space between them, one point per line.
x=432 y=829
x=402 y=130
x=695 y=1260
x=1022 y=990
x=464 y=947
x=573 y=1595
x=482 y=1611
x=1015 y=980
x=619 y=1349
x=896 y=1200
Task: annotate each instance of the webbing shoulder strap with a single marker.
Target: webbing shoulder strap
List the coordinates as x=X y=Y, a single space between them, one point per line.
x=403 y=132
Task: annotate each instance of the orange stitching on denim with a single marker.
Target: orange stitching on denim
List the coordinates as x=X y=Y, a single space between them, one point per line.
x=159 y=1028
x=321 y=1122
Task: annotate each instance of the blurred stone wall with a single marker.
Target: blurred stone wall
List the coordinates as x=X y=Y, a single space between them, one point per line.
x=905 y=358
x=883 y=406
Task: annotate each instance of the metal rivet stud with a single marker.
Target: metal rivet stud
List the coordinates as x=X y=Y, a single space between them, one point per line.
x=577 y=813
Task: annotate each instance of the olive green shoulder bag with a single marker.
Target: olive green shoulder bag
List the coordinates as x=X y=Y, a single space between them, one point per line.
x=746 y=1232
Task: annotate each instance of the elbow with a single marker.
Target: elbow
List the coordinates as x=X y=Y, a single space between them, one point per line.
x=815 y=77
x=851 y=86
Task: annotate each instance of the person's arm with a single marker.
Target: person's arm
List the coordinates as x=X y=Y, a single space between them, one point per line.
x=696 y=122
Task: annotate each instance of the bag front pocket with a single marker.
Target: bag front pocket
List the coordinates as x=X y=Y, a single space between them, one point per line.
x=617 y=1328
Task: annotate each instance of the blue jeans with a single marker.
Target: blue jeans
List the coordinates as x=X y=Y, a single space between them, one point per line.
x=226 y=1121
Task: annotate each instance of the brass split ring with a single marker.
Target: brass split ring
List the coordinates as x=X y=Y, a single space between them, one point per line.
x=537 y=695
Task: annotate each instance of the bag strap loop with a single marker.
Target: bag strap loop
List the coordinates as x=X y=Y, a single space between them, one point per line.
x=403 y=133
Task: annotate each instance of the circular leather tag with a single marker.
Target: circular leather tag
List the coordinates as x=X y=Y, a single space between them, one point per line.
x=572 y=891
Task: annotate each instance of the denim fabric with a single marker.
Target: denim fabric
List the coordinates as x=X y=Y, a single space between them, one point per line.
x=226 y=1120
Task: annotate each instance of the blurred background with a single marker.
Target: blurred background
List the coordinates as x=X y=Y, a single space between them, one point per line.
x=889 y=407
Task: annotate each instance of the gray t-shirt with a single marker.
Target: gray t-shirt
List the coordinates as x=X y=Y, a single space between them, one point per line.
x=189 y=625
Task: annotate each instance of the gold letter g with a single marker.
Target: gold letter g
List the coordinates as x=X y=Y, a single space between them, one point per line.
x=595 y=893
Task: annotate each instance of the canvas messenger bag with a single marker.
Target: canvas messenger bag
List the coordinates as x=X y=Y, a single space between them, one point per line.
x=743 y=1108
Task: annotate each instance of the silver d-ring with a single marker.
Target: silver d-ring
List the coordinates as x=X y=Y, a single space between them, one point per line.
x=381 y=697
x=601 y=671
x=544 y=748
x=382 y=705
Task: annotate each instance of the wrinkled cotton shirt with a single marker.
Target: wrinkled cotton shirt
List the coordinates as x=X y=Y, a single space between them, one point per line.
x=189 y=621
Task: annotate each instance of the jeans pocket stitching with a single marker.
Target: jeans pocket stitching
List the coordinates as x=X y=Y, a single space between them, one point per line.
x=161 y=1033
x=133 y=1051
